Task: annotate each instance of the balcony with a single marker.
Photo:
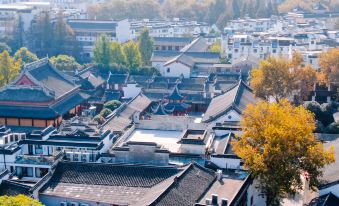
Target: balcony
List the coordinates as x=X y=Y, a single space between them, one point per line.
x=38 y=159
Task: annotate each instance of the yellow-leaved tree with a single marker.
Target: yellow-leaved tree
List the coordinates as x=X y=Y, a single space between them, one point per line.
x=20 y=200
x=273 y=79
x=278 y=146
x=329 y=64
x=9 y=69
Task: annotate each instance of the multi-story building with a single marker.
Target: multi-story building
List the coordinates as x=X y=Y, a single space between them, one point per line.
x=88 y=31
x=171 y=28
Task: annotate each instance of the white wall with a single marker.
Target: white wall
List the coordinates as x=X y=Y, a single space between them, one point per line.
x=229 y=163
x=176 y=70
x=253 y=191
x=131 y=90
x=123 y=31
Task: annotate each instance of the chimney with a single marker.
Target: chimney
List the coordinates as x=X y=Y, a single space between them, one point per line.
x=219 y=175
x=214 y=199
x=224 y=202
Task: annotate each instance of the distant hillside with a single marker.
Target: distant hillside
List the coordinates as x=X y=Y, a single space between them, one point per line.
x=211 y=11
x=309 y=5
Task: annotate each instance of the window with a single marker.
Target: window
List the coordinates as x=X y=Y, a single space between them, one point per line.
x=27 y=172
x=177 y=48
x=274 y=51
x=84 y=158
x=75 y=157
x=168 y=70
x=236 y=50
x=255 y=50
x=170 y=48
x=38 y=149
x=163 y=48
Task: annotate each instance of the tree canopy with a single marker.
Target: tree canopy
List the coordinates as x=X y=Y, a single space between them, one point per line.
x=102 y=51
x=25 y=55
x=50 y=38
x=65 y=62
x=278 y=146
x=273 y=78
x=329 y=64
x=132 y=54
x=19 y=200
x=9 y=68
x=146 y=46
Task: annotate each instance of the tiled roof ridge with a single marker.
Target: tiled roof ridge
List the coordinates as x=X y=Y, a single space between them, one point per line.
x=35 y=64
x=45 y=61
x=181 y=176
x=117 y=165
x=45 y=90
x=16 y=184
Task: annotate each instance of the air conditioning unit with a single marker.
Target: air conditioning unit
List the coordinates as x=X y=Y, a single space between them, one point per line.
x=63 y=203
x=74 y=204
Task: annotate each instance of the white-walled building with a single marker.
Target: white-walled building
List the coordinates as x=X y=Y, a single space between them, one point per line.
x=88 y=31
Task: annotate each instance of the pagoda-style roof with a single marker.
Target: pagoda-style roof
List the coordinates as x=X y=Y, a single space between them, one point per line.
x=175 y=95
x=40 y=91
x=177 y=107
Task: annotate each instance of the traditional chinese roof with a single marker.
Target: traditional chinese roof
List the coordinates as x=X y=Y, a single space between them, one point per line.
x=237 y=98
x=11 y=188
x=175 y=95
x=114 y=183
x=40 y=91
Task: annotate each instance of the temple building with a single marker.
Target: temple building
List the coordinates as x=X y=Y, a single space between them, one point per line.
x=40 y=96
x=175 y=104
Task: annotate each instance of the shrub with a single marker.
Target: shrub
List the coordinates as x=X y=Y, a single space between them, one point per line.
x=99 y=119
x=112 y=105
x=105 y=112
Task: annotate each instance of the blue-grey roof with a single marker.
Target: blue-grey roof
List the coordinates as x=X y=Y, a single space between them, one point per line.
x=92 y=25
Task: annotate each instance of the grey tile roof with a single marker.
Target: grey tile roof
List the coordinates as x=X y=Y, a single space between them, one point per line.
x=163 y=56
x=92 y=25
x=117 y=78
x=160 y=40
x=237 y=98
x=331 y=172
x=11 y=188
x=187 y=188
x=111 y=174
x=123 y=116
x=25 y=94
x=325 y=200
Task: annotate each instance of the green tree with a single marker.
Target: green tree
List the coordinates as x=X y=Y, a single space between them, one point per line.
x=65 y=62
x=112 y=105
x=40 y=36
x=18 y=200
x=133 y=56
x=102 y=51
x=105 y=112
x=9 y=69
x=278 y=147
x=146 y=44
x=25 y=55
x=117 y=55
x=64 y=39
